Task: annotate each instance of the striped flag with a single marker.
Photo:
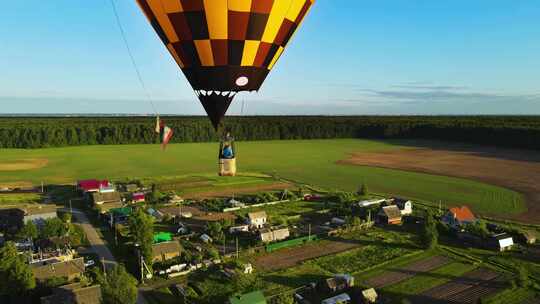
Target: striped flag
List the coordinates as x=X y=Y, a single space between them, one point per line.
x=164 y=132
x=166 y=135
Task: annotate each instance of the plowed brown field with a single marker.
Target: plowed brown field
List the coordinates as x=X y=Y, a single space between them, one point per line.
x=518 y=170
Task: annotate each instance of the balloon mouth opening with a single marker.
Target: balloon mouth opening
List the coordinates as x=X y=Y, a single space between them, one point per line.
x=218 y=93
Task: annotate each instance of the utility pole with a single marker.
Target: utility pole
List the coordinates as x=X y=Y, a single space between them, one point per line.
x=309 y=232
x=70 y=208
x=142 y=267
x=103 y=266
x=237 y=251
x=42 y=188
x=224 y=242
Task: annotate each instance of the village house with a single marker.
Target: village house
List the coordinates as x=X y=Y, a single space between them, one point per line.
x=70 y=270
x=256 y=297
x=106 y=198
x=39 y=214
x=75 y=293
x=257 y=220
x=389 y=215
x=271 y=235
x=459 y=216
x=404 y=205
x=91 y=185
x=164 y=251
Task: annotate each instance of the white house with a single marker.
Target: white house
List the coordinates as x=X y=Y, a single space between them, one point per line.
x=501 y=242
x=404 y=205
x=257 y=219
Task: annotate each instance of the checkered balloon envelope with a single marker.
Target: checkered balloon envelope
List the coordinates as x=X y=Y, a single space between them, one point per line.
x=225 y=46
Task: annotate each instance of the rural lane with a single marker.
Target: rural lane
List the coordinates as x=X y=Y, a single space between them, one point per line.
x=99 y=247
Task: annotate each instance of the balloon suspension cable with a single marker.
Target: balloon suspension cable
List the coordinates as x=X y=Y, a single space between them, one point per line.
x=130 y=53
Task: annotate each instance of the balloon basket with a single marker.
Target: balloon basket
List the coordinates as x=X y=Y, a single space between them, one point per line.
x=227 y=167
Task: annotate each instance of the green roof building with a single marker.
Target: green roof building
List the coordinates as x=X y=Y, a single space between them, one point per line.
x=162 y=237
x=255 y=297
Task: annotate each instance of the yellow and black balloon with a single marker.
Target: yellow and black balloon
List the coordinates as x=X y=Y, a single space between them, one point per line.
x=225 y=46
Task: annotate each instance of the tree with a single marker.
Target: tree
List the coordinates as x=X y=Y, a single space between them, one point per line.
x=66 y=217
x=141 y=228
x=54 y=228
x=363 y=191
x=284 y=299
x=17 y=278
x=28 y=231
x=215 y=230
x=522 y=277
x=430 y=234
x=213 y=254
x=118 y=286
x=478 y=228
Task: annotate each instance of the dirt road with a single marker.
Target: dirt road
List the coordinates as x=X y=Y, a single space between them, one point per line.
x=99 y=246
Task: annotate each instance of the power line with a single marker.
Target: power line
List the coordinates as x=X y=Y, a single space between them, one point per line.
x=133 y=62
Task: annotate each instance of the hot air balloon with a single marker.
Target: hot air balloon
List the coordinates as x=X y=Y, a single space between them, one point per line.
x=225 y=46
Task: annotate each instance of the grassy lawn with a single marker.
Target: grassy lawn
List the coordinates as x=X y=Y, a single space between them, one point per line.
x=12 y=200
x=513 y=296
x=312 y=162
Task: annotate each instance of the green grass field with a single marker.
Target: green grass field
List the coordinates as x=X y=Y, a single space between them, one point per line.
x=312 y=162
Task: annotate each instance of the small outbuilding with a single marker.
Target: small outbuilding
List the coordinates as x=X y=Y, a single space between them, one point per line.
x=138 y=197
x=389 y=215
x=529 y=237
x=339 y=299
x=369 y=295
x=271 y=235
x=500 y=242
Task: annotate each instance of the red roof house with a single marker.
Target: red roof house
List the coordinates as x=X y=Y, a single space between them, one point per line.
x=138 y=197
x=459 y=216
x=92 y=185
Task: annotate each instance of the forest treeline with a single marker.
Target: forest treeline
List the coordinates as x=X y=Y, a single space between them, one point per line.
x=41 y=132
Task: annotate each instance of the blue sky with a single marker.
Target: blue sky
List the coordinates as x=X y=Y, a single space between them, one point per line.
x=350 y=57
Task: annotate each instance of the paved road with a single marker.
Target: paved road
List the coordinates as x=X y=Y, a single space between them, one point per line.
x=99 y=246
x=96 y=242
